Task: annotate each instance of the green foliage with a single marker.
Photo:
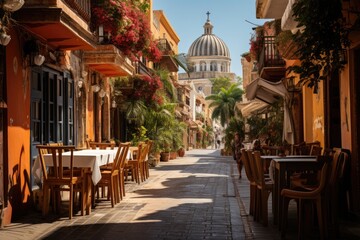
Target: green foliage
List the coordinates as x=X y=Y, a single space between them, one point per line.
x=219 y=83
x=271 y=126
x=236 y=125
x=321 y=42
x=168 y=85
x=135 y=111
x=139 y=136
x=224 y=103
x=159 y=122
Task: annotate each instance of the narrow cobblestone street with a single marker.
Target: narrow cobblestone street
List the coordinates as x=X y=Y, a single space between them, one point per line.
x=199 y=196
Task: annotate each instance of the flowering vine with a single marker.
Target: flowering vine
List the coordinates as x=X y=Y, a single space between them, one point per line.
x=127 y=26
x=145 y=87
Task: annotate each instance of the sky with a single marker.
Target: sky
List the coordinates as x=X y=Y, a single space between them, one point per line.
x=230 y=19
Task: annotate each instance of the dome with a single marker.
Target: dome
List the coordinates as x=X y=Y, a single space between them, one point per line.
x=208 y=44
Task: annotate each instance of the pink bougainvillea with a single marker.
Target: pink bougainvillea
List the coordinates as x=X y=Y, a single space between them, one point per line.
x=145 y=87
x=128 y=28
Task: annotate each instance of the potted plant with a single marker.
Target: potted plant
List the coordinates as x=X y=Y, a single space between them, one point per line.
x=165 y=154
x=181 y=151
x=247 y=56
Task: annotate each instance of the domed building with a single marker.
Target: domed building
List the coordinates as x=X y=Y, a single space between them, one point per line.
x=208 y=57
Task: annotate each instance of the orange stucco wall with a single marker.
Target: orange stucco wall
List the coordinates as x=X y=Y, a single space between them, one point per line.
x=18 y=119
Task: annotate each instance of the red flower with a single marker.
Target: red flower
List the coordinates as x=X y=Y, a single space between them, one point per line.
x=127 y=24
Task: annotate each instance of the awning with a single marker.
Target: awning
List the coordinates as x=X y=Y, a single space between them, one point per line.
x=269 y=92
x=265 y=90
x=251 y=106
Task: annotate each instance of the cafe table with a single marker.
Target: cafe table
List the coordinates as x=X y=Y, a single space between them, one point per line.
x=279 y=166
x=283 y=167
x=88 y=159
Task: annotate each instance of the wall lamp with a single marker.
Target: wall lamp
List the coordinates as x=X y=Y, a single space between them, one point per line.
x=94 y=86
x=291 y=86
x=4 y=38
x=31 y=48
x=12 y=5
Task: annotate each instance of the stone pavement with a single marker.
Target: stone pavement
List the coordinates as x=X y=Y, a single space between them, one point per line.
x=198 y=196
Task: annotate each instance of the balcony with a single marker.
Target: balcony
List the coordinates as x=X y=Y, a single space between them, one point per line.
x=167 y=61
x=109 y=61
x=271 y=66
x=63 y=24
x=270 y=8
x=141 y=68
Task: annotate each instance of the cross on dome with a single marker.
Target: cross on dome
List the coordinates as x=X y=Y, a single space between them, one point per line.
x=208 y=26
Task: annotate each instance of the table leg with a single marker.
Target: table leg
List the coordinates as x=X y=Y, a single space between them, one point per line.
x=280 y=198
x=275 y=197
x=88 y=192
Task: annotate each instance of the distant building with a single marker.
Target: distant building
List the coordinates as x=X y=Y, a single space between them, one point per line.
x=208 y=57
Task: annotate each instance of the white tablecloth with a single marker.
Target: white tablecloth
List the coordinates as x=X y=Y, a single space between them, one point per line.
x=88 y=158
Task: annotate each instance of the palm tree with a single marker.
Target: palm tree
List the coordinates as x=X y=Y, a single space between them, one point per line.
x=224 y=103
x=158 y=124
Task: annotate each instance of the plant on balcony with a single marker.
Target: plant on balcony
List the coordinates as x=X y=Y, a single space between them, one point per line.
x=153 y=52
x=286 y=45
x=322 y=41
x=127 y=27
x=143 y=88
x=256 y=43
x=247 y=56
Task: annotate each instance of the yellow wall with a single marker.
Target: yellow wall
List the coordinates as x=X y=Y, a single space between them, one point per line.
x=164 y=28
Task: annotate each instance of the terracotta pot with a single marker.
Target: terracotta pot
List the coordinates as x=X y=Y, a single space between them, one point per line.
x=181 y=152
x=165 y=156
x=172 y=155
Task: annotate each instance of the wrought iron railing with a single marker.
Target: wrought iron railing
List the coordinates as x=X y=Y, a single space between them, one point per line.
x=82 y=7
x=165 y=46
x=270 y=56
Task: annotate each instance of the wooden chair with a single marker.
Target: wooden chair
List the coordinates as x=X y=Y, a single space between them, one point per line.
x=123 y=160
x=56 y=181
x=315 y=150
x=339 y=163
x=255 y=174
x=111 y=178
x=146 y=160
x=264 y=185
x=314 y=195
x=102 y=145
x=250 y=176
x=135 y=165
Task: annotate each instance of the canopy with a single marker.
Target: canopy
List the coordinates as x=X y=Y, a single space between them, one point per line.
x=269 y=92
x=249 y=107
x=265 y=90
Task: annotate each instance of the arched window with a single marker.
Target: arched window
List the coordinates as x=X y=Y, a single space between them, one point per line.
x=202 y=66
x=213 y=66
x=223 y=67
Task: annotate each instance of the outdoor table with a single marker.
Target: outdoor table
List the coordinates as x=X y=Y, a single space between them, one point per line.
x=89 y=159
x=283 y=166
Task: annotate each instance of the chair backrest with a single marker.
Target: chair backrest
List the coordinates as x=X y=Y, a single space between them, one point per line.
x=246 y=163
x=119 y=161
x=315 y=150
x=102 y=145
x=260 y=168
x=150 y=143
x=253 y=166
x=57 y=163
x=144 y=151
x=337 y=166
